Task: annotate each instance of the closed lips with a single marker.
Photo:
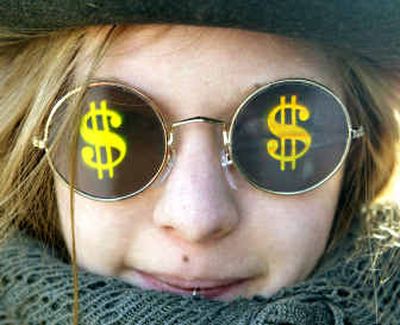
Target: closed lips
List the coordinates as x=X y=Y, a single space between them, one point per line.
x=207 y=288
x=200 y=284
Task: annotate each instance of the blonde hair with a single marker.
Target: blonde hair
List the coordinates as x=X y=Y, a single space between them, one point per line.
x=35 y=68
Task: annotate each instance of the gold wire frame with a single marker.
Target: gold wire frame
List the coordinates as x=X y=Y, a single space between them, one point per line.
x=169 y=134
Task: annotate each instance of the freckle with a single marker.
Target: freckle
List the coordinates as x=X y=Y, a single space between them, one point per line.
x=185 y=258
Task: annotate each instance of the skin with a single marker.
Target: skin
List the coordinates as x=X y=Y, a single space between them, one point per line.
x=196 y=222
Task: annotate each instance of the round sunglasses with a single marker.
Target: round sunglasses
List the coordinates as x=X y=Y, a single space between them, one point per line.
x=286 y=137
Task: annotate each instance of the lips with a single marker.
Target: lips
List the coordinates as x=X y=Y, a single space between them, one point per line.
x=205 y=287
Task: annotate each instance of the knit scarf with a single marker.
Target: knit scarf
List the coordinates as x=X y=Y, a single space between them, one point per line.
x=346 y=288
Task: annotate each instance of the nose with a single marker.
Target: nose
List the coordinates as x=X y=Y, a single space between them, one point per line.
x=197 y=203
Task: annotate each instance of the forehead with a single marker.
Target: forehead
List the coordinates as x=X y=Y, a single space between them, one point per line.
x=192 y=70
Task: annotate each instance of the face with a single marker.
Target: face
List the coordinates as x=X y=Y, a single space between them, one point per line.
x=201 y=226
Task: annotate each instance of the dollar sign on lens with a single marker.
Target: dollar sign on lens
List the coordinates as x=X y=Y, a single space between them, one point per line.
x=106 y=149
x=294 y=141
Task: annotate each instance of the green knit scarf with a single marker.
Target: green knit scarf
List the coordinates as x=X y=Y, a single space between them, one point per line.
x=346 y=288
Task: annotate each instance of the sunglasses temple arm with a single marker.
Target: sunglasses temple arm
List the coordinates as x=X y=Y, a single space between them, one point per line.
x=357 y=132
x=39 y=143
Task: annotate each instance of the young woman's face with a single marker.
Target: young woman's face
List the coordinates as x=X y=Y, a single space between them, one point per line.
x=197 y=228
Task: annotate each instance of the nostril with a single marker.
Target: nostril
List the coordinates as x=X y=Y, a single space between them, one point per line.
x=220 y=232
x=168 y=228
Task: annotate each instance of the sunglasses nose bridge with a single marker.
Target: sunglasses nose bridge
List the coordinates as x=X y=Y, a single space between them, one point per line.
x=225 y=156
x=200 y=119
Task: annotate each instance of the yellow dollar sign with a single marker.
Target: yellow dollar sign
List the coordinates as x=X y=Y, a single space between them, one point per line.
x=102 y=140
x=288 y=131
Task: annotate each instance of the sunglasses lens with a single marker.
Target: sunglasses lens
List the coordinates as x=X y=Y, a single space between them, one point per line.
x=120 y=142
x=290 y=136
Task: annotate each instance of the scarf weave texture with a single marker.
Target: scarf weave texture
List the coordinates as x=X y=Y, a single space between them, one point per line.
x=345 y=289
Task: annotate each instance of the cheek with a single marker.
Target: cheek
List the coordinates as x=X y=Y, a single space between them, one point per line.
x=100 y=232
x=291 y=232
x=292 y=225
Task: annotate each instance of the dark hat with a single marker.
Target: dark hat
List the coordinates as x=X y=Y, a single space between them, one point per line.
x=370 y=28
